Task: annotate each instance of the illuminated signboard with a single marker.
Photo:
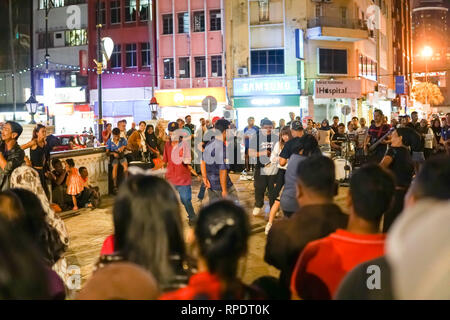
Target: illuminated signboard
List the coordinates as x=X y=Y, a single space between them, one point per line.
x=189 y=97
x=267 y=101
x=243 y=87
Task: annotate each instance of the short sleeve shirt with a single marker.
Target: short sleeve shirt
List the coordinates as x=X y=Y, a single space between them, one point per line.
x=445 y=133
x=401 y=166
x=177 y=158
x=292 y=146
x=250 y=131
x=215 y=157
x=113 y=147
x=263 y=142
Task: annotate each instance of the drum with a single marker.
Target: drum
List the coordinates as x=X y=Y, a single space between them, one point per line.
x=327 y=154
x=339 y=164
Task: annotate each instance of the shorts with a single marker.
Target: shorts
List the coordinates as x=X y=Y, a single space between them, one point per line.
x=118 y=160
x=418 y=157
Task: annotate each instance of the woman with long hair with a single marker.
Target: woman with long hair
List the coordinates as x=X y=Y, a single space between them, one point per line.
x=398 y=160
x=161 y=136
x=221 y=237
x=308 y=147
x=39 y=155
x=148 y=231
x=437 y=131
x=285 y=136
x=152 y=144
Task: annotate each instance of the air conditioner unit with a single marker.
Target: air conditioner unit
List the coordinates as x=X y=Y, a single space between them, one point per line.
x=243 y=71
x=58 y=39
x=228 y=115
x=182 y=72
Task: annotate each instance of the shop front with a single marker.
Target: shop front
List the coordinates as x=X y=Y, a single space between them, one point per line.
x=268 y=97
x=178 y=103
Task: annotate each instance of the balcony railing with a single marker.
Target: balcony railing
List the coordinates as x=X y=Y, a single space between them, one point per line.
x=336 y=22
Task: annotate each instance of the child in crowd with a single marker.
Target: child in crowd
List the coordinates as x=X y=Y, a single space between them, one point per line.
x=75 y=183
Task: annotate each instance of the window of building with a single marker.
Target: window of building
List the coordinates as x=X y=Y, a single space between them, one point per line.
x=130 y=10
x=183 y=22
x=145 y=54
x=332 y=61
x=368 y=67
x=185 y=68
x=143 y=10
x=267 y=61
x=102 y=14
x=215 y=20
x=167 y=24
x=263 y=10
x=115 y=11
x=116 y=57
x=199 y=21
x=343 y=11
x=200 y=67
x=130 y=50
x=216 y=66
x=76 y=37
x=318 y=10
x=168 y=68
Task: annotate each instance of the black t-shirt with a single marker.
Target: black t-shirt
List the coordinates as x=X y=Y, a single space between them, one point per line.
x=263 y=142
x=291 y=147
x=401 y=166
x=339 y=138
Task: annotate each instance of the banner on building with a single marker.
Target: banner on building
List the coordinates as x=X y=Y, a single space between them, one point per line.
x=331 y=89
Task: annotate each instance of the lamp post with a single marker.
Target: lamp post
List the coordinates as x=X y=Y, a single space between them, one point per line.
x=427 y=52
x=154 y=108
x=32 y=105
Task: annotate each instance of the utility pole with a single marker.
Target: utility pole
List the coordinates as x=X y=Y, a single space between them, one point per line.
x=13 y=58
x=32 y=89
x=99 y=63
x=151 y=44
x=47 y=56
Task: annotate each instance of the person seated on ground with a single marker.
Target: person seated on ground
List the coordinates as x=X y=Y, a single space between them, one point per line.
x=26 y=215
x=21 y=264
x=318 y=216
x=325 y=262
x=115 y=148
x=221 y=234
x=58 y=177
x=430 y=187
x=120 y=281
x=148 y=231
x=90 y=196
x=338 y=139
x=11 y=155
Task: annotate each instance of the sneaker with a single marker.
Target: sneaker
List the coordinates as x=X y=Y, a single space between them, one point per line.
x=268 y=226
x=256 y=211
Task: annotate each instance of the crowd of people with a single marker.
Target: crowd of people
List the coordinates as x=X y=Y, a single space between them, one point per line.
x=398 y=197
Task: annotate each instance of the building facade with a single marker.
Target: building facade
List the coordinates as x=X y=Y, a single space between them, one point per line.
x=126 y=81
x=430 y=20
x=315 y=47
x=191 y=58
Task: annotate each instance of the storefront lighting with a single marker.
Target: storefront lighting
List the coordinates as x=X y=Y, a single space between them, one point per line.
x=265 y=102
x=154 y=108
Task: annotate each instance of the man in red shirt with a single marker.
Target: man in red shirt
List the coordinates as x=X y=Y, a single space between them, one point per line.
x=177 y=157
x=324 y=262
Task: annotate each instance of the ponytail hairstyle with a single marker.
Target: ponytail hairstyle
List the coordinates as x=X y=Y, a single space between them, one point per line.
x=222 y=232
x=36 y=130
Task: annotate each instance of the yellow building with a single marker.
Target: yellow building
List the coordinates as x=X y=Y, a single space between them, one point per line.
x=277 y=50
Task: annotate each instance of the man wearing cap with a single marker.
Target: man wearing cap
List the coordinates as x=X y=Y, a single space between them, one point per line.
x=215 y=165
x=292 y=145
x=261 y=146
x=249 y=132
x=11 y=155
x=177 y=158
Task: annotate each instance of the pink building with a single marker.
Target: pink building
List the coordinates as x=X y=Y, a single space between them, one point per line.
x=190 y=44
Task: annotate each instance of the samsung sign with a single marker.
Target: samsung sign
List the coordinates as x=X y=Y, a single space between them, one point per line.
x=244 y=87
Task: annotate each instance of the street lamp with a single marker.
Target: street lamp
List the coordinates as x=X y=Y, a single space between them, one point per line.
x=427 y=52
x=32 y=105
x=154 y=108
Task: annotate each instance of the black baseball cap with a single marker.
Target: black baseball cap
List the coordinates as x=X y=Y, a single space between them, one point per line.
x=173 y=126
x=266 y=122
x=296 y=125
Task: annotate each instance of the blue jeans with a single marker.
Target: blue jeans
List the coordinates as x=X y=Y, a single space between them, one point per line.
x=186 y=199
x=201 y=193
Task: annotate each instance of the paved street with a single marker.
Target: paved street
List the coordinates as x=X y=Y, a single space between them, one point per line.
x=88 y=230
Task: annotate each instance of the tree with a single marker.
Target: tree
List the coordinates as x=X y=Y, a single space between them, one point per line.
x=426 y=92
